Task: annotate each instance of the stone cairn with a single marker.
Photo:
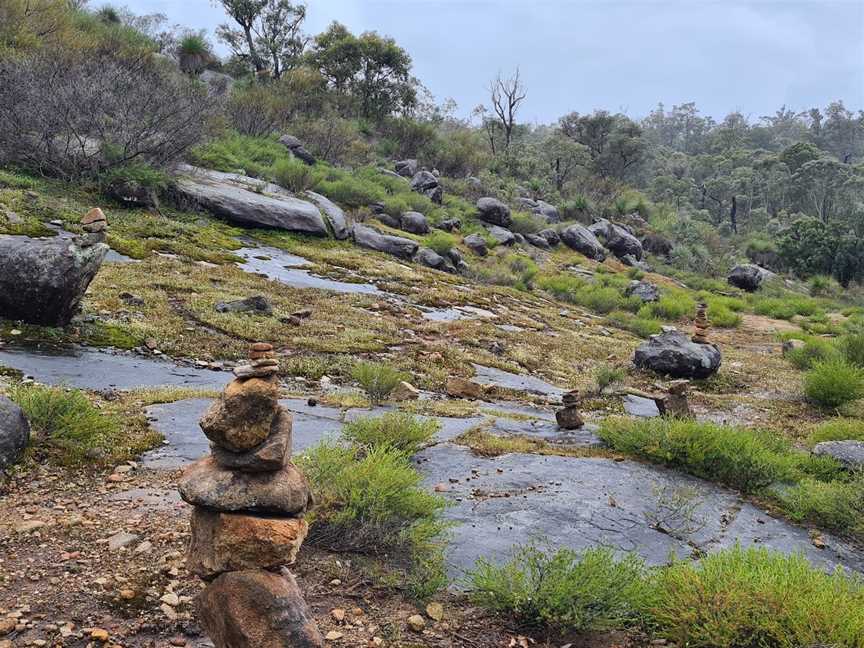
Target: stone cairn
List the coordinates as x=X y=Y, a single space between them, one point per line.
x=247 y=524
x=569 y=418
x=95 y=226
x=702 y=324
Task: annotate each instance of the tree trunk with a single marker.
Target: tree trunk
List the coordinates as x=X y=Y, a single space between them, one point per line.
x=733 y=214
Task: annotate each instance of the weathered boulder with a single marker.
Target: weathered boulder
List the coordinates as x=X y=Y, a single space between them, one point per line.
x=449 y=224
x=674 y=354
x=427 y=184
x=644 y=290
x=223 y=542
x=254 y=304
x=431 y=259
x=569 y=418
x=459 y=387
x=333 y=213
x=268 y=456
x=372 y=239
x=551 y=236
x=406 y=168
x=502 y=235
x=476 y=244
x=415 y=222
x=297 y=149
x=42 y=281
x=248 y=202
x=389 y=220
x=622 y=243
x=541 y=208
x=241 y=417
x=657 y=245
x=14 y=433
x=579 y=238
x=218 y=84
x=257 y=609
x=748 y=277
x=633 y=262
x=850 y=454
x=133 y=193
x=283 y=492
x=537 y=241
x=495 y=212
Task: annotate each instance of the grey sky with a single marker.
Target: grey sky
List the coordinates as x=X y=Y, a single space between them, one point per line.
x=614 y=54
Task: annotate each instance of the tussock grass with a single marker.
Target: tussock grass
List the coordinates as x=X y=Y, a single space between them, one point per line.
x=377 y=380
x=838 y=429
x=832 y=383
x=397 y=430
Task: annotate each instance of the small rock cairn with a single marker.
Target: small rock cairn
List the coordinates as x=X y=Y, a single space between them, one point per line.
x=95 y=226
x=247 y=524
x=702 y=324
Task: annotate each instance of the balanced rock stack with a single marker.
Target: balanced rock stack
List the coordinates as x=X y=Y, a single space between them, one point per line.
x=95 y=225
x=702 y=324
x=247 y=524
x=569 y=417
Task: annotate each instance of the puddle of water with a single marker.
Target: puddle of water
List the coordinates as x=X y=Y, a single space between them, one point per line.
x=284 y=267
x=507 y=380
x=642 y=407
x=84 y=368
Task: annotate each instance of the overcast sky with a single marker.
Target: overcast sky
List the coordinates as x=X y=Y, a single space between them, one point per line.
x=613 y=54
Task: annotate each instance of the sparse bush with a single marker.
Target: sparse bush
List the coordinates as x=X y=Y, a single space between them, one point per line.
x=833 y=383
x=441 y=242
x=377 y=380
x=838 y=429
x=526 y=223
x=833 y=505
x=295 y=175
x=824 y=286
x=65 y=422
x=564 y=591
x=785 y=307
x=642 y=327
x=851 y=346
x=670 y=307
x=744 y=459
x=606 y=375
x=397 y=430
x=754 y=597
x=722 y=317
x=815 y=350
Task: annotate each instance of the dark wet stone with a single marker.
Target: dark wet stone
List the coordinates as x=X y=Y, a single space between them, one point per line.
x=396 y=245
x=495 y=212
x=476 y=244
x=638 y=406
x=748 y=277
x=581 y=239
x=848 y=453
x=674 y=354
x=254 y=304
x=507 y=380
x=14 y=433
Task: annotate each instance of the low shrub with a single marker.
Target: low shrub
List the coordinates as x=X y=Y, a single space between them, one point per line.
x=833 y=505
x=599 y=299
x=397 y=430
x=851 y=346
x=670 y=307
x=832 y=383
x=642 y=327
x=815 y=350
x=838 y=429
x=527 y=223
x=755 y=597
x=561 y=286
x=507 y=270
x=723 y=317
x=824 y=286
x=296 y=176
x=743 y=459
x=377 y=379
x=606 y=375
x=564 y=591
x=785 y=307
x=64 y=422
x=441 y=242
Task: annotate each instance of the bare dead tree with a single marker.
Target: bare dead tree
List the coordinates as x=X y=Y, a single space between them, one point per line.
x=507 y=94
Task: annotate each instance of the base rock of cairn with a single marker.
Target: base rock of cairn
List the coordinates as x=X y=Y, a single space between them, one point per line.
x=248 y=523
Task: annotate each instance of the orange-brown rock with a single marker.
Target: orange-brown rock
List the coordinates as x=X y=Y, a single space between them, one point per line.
x=95 y=215
x=257 y=609
x=459 y=387
x=242 y=416
x=223 y=542
x=270 y=455
x=569 y=418
x=262 y=346
x=206 y=483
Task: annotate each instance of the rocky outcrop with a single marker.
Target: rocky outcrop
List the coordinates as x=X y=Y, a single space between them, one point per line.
x=748 y=277
x=657 y=245
x=674 y=354
x=247 y=524
x=374 y=240
x=551 y=236
x=579 y=238
x=247 y=201
x=644 y=290
x=449 y=225
x=406 y=168
x=619 y=241
x=502 y=235
x=494 y=212
x=297 y=149
x=218 y=84
x=415 y=222
x=14 y=433
x=850 y=454
x=543 y=209
x=333 y=213
x=537 y=241
x=254 y=304
x=42 y=281
x=476 y=244
x=427 y=184
x=431 y=259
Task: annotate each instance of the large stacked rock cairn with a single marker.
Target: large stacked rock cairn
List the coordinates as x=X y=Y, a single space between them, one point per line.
x=569 y=417
x=247 y=524
x=94 y=225
x=702 y=324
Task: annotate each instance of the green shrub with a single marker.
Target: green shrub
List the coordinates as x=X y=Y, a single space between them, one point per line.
x=606 y=375
x=815 y=350
x=526 y=223
x=851 y=346
x=441 y=242
x=824 y=286
x=757 y=598
x=562 y=286
x=723 y=317
x=508 y=270
x=232 y=153
x=670 y=307
x=644 y=328
x=564 y=591
x=377 y=380
x=398 y=430
x=785 y=307
x=371 y=500
x=744 y=459
x=135 y=173
x=832 y=383
x=65 y=420
x=837 y=429
x=834 y=505
x=295 y=175
x=599 y=299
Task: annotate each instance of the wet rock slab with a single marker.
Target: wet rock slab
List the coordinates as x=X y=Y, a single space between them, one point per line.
x=498 y=503
x=85 y=368
x=508 y=380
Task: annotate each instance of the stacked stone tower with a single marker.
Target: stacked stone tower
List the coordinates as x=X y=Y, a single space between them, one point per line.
x=702 y=325
x=247 y=524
